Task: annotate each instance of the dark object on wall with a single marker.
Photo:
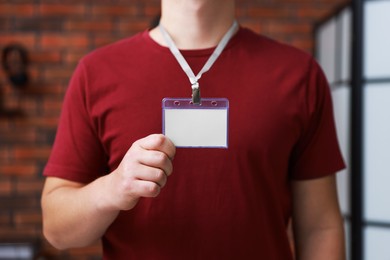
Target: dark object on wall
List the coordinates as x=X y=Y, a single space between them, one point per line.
x=15 y=62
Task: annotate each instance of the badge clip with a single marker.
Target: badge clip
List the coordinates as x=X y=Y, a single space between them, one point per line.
x=195 y=93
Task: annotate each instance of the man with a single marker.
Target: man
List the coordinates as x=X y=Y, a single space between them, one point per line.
x=109 y=175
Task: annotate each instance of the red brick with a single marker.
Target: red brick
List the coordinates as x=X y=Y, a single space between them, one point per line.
x=52 y=253
x=5 y=187
x=59 y=72
x=62 y=9
x=20 y=170
x=18 y=131
x=27 y=219
x=17 y=10
x=104 y=40
x=312 y=12
x=22 y=233
x=46 y=88
x=45 y=57
x=33 y=72
x=91 y=250
x=89 y=26
x=287 y=28
x=130 y=28
x=8 y=89
x=5 y=126
x=19 y=203
x=115 y=10
x=241 y=11
x=28 y=106
x=37 y=24
x=52 y=106
x=5 y=24
x=74 y=57
x=47 y=122
x=5 y=219
x=29 y=186
x=277 y=12
x=4 y=154
x=152 y=10
x=253 y=25
x=63 y=41
x=27 y=39
x=31 y=153
x=301 y=2
x=2 y=74
x=303 y=43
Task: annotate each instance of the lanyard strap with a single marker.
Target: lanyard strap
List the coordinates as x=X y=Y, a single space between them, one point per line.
x=187 y=69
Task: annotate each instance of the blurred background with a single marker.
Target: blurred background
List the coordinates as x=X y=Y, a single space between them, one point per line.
x=41 y=42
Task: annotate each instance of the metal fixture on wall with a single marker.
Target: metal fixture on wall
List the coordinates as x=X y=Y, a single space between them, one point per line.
x=14 y=60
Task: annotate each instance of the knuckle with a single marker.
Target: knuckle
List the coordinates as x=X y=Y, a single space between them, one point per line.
x=160 y=175
x=161 y=178
x=168 y=172
x=129 y=168
x=171 y=145
x=127 y=185
x=134 y=145
x=130 y=156
x=173 y=151
x=169 y=168
x=154 y=190
x=157 y=139
x=160 y=158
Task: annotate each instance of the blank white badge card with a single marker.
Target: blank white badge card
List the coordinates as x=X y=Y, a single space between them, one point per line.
x=203 y=125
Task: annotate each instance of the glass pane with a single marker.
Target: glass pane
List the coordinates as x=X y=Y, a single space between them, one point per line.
x=347 y=228
x=341 y=101
x=377 y=152
x=346 y=44
x=377 y=241
x=326 y=41
x=377 y=39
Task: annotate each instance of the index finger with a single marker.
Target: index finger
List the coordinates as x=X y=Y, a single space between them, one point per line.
x=158 y=142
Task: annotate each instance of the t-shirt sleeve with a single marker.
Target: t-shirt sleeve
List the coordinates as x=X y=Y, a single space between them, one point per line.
x=77 y=154
x=317 y=152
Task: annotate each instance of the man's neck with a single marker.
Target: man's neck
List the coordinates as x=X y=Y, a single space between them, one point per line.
x=195 y=24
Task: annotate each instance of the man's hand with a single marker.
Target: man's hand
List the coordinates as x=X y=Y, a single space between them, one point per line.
x=142 y=173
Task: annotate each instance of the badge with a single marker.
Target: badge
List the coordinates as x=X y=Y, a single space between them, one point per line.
x=203 y=125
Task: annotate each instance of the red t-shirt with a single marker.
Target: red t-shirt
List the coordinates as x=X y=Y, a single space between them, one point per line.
x=230 y=203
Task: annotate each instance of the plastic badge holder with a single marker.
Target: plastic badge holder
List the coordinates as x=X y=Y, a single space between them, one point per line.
x=202 y=125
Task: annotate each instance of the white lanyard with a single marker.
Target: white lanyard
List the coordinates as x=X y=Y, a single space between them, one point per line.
x=186 y=68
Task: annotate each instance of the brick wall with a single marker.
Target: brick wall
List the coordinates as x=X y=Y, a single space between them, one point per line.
x=56 y=34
